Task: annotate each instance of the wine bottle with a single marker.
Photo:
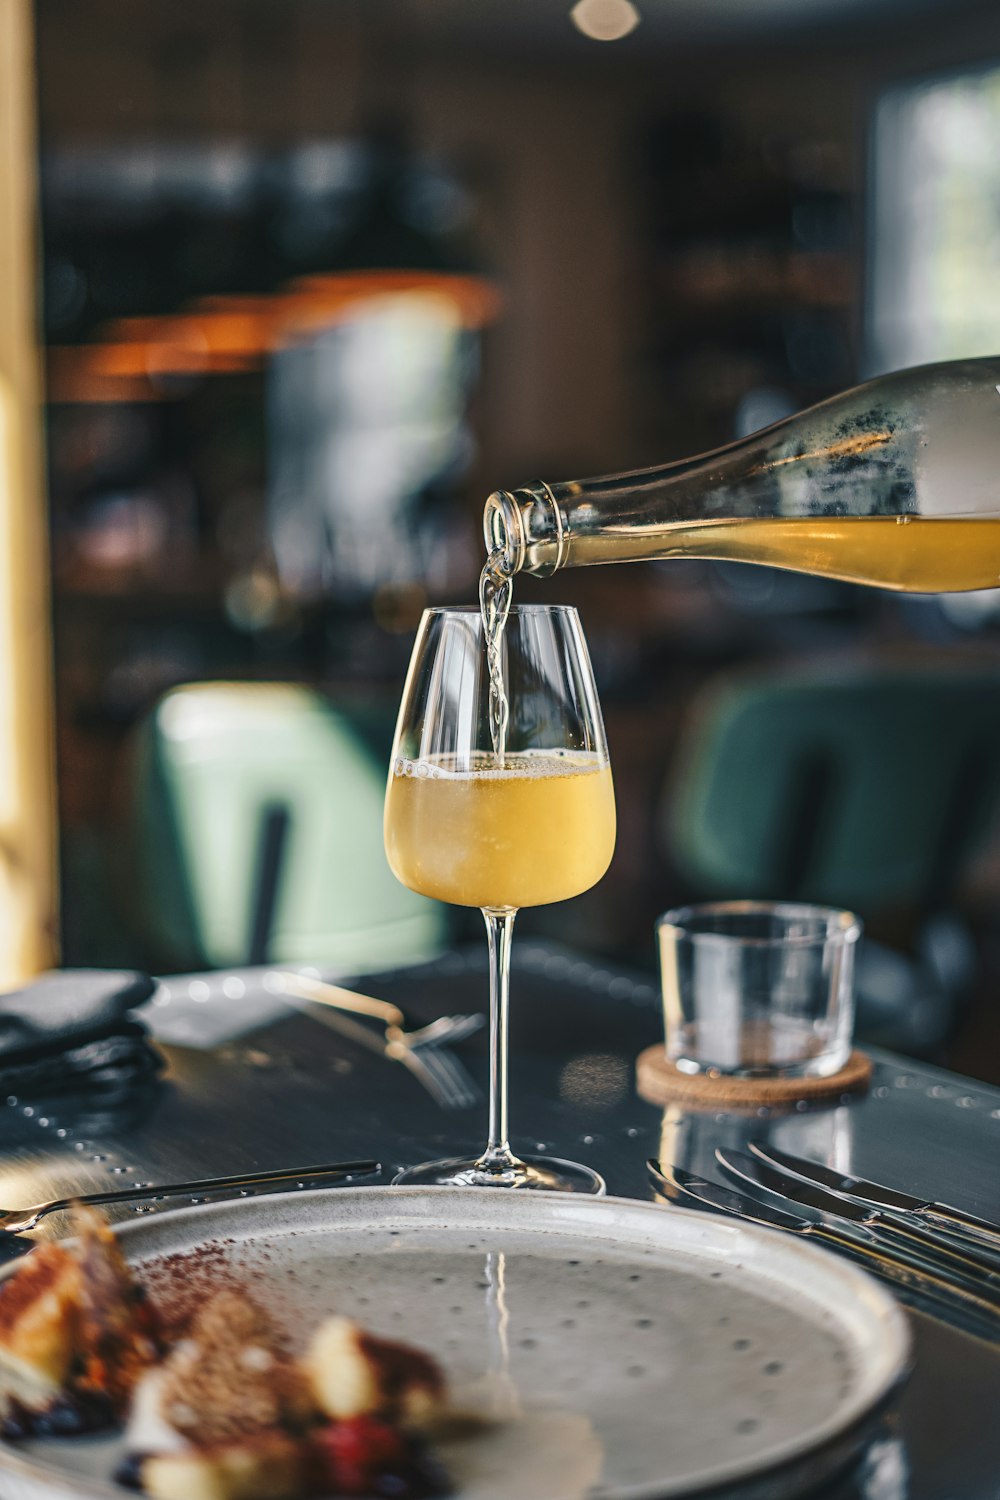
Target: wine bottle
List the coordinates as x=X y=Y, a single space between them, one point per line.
x=894 y=483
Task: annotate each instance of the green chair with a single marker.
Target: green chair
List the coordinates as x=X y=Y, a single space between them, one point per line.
x=257 y=836
x=872 y=790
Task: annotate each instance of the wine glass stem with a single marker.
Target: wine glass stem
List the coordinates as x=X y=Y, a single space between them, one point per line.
x=498 y=1156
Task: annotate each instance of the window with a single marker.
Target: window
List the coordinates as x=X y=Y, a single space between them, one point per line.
x=934 y=282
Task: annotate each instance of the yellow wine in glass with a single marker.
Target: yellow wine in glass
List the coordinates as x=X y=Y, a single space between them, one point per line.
x=500 y=810
x=540 y=829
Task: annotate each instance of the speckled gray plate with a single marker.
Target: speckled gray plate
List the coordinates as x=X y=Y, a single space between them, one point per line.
x=630 y=1351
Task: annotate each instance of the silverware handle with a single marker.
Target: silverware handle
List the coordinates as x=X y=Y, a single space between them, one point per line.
x=210 y=1185
x=980 y=1231
x=324 y=993
x=912 y=1274
x=976 y=1268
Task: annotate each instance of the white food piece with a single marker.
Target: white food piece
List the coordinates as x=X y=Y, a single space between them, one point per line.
x=266 y=1468
x=355 y=1374
x=148 y=1430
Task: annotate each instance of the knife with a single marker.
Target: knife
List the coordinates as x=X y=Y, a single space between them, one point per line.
x=976 y=1274
x=940 y=1215
x=912 y=1281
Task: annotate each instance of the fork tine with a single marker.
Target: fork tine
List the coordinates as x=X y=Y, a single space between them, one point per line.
x=438 y=1079
x=458 y=1093
x=462 y=1074
x=417 y=1064
x=444 y=1030
x=470 y=1092
x=452 y=1077
x=463 y=1026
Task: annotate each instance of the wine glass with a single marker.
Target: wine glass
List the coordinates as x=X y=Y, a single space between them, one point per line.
x=500 y=826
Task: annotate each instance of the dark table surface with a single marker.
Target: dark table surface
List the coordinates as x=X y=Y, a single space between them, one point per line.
x=252 y=1083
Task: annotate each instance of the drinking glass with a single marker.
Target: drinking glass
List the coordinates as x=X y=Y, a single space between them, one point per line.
x=522 y=825
x=757 y=988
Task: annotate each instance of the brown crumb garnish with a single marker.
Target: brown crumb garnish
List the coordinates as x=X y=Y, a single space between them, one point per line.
x=182 y=1282
x=230 y=1377
x=229 y=1319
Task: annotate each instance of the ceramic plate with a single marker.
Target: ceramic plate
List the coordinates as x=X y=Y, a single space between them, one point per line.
x=627 y=1350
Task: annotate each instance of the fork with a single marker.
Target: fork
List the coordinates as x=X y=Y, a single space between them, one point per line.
x=422 y=1051
x=435 y=1033
x=18 y=1220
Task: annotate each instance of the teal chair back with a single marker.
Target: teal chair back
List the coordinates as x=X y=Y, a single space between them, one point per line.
x=870 y=789
x=216 y=764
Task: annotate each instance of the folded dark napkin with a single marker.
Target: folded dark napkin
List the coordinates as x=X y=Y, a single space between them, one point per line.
x=72 y=1029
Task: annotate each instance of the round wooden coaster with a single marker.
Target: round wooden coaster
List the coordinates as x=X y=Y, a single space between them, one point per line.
x=661 y=1082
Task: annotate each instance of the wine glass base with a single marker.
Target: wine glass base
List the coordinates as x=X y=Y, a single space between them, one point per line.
x=546 y=1174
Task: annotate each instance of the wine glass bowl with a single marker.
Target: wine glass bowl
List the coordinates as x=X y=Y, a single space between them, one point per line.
x=523 y=822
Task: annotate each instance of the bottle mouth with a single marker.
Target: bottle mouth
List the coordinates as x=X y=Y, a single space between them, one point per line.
x=503 y=532
x=524 y=529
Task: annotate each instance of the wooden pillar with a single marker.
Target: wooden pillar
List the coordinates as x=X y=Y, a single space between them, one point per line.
x=28 y=934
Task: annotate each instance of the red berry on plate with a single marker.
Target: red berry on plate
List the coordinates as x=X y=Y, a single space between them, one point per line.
x=353 y=1453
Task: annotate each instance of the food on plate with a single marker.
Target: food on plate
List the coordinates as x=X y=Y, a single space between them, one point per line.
x=229 y=1415
x=229 y=1377
x=267 y=1467
x=119 y=1334
x=220 y=1410
x=38 y=1315
x=362 y=1456
x=76 y=1333
x=355 y=1374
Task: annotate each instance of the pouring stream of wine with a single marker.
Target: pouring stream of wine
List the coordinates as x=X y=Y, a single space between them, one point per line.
x=495 y=589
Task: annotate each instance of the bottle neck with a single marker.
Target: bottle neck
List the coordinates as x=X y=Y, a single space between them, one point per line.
x=620 y=517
